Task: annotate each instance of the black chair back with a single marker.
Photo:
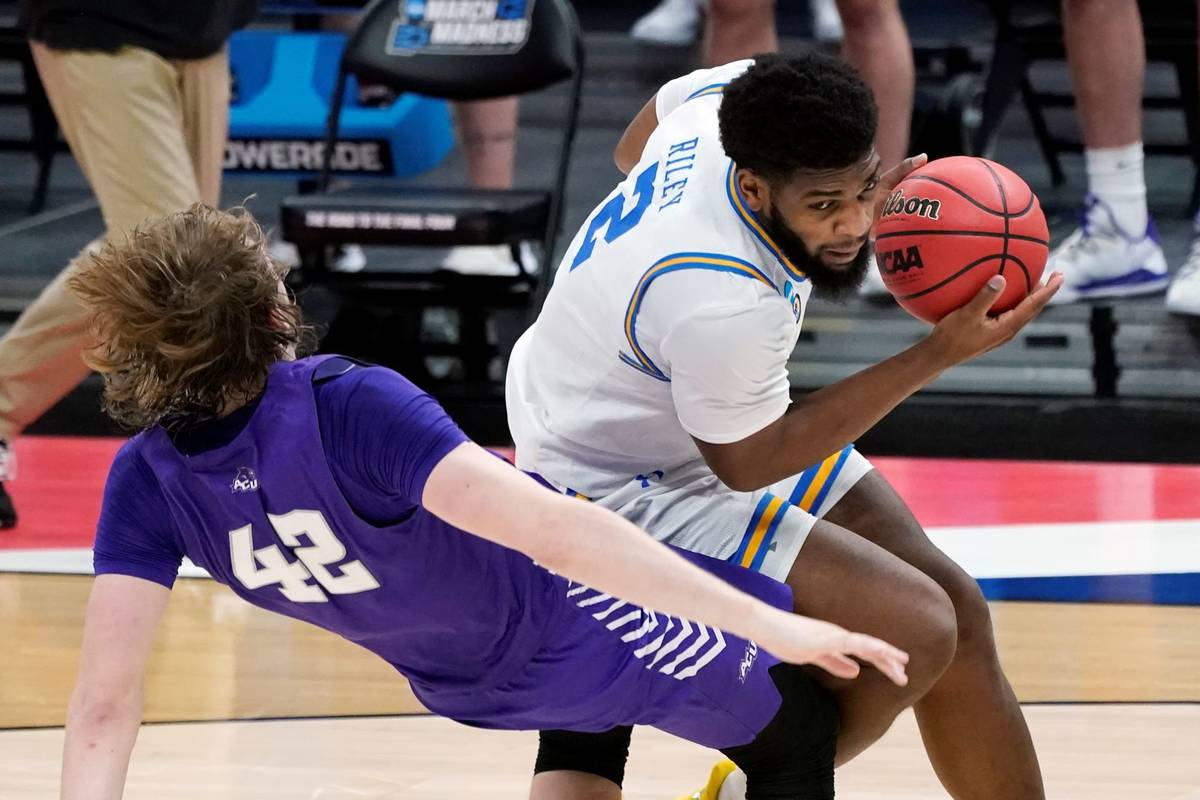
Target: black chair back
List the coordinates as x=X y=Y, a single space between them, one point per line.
x=445 y=48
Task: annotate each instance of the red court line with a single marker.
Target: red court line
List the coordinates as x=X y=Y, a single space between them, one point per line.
x=61 y=480
x=58 y=488
x=944 y=492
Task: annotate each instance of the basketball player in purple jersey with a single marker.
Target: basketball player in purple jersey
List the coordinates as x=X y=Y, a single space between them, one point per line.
x=341 y=495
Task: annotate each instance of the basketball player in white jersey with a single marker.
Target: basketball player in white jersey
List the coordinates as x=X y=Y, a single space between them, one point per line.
x=655 y=383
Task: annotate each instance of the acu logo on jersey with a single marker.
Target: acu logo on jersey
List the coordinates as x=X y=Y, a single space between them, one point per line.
x=245 y=480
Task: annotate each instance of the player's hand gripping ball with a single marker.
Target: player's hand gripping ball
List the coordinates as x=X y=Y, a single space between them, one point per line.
x=951 y=225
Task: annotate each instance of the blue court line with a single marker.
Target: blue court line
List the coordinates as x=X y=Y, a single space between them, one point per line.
x=1181 y=588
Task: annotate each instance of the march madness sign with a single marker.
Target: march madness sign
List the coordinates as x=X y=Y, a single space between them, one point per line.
x=460 y=27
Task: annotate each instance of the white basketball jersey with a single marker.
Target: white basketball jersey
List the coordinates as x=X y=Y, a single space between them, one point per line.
x=671 y=316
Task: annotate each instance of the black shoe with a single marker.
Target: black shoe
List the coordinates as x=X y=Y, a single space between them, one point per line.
x=8 y=514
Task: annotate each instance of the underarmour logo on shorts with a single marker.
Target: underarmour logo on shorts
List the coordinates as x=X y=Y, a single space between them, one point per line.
x=658 y=473
x=747 y=661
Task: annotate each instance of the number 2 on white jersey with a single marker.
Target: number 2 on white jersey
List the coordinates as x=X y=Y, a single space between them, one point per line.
x=313 y=561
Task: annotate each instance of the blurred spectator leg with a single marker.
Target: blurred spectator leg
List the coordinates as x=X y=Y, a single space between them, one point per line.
x=876 y=42
x=120 y=113
x=1115 y=251
x=487 y=132
x=739 y=29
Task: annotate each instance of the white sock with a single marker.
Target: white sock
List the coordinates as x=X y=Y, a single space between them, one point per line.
x=1116 y=176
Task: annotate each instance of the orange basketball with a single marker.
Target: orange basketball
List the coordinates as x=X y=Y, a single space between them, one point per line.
x=951 y=225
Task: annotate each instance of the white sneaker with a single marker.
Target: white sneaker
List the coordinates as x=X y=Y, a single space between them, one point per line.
x=827 y=23
x=347 y=258
x=671 y=22
x=1184 y=295
x=1099 y=260
x=285 y=253
x=490 y=260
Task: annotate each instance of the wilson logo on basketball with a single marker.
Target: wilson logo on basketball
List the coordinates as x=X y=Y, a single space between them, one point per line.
x=897 y=203
x=893 y=261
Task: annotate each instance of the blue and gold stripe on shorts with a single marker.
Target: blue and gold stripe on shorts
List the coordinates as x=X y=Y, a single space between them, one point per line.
x=815 y=482
x=756 y=541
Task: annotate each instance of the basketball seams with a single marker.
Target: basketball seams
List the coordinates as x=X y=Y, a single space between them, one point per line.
x=946 y=184
x=1020 y=237
x=1004 y=205
x=1024 y=272
x=951 y=278
x=1023 y=235
x=958 y=192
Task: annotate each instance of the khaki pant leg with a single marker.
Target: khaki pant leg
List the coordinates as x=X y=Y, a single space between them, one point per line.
x=121 y=113
x=205 y=89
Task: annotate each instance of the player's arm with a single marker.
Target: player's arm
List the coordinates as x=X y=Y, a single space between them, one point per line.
x=106 y=706
x=669 y=97
x=827 y=420
x=633 y=141
x=477 y=492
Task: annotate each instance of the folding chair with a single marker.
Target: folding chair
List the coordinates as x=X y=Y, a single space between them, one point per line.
x=528 y=45
x=1030 y=30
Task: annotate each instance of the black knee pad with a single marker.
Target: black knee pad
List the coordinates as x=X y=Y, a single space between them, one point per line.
x=602 y=754
x=792 y=758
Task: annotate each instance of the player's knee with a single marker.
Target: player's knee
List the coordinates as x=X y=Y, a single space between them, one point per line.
x=933 y=635
x=974 y=619
x=603 y=754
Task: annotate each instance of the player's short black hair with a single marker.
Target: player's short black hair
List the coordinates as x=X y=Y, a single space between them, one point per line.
x=788 y=113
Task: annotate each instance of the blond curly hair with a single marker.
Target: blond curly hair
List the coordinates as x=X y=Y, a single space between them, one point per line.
x=188 y=316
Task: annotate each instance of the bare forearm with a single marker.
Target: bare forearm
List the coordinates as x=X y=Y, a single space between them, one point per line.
x=600 y=549
x=828 y=419
x=96 y=753
x=633 y=141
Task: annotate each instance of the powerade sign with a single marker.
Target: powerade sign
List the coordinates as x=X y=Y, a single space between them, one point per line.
x=358 y=156
x=460 y=27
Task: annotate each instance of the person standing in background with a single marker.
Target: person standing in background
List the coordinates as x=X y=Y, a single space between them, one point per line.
x=874 y=40
x=873 y=35
x=486 y=132
x=140 y=89
x=1115 y=252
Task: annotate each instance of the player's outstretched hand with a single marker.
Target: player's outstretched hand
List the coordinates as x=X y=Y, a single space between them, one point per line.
x=971 y=331
x=891 y=179
x=803 y=640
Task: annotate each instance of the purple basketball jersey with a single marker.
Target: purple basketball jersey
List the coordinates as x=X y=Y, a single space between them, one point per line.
x=484 y=635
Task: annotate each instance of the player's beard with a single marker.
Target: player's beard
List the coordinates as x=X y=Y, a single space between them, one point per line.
x=830 y=283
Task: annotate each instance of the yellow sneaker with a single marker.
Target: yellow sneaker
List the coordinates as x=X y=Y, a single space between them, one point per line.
x=720 y=771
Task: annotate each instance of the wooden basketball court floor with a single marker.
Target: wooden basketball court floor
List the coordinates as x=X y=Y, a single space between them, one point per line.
x=1093 y=571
